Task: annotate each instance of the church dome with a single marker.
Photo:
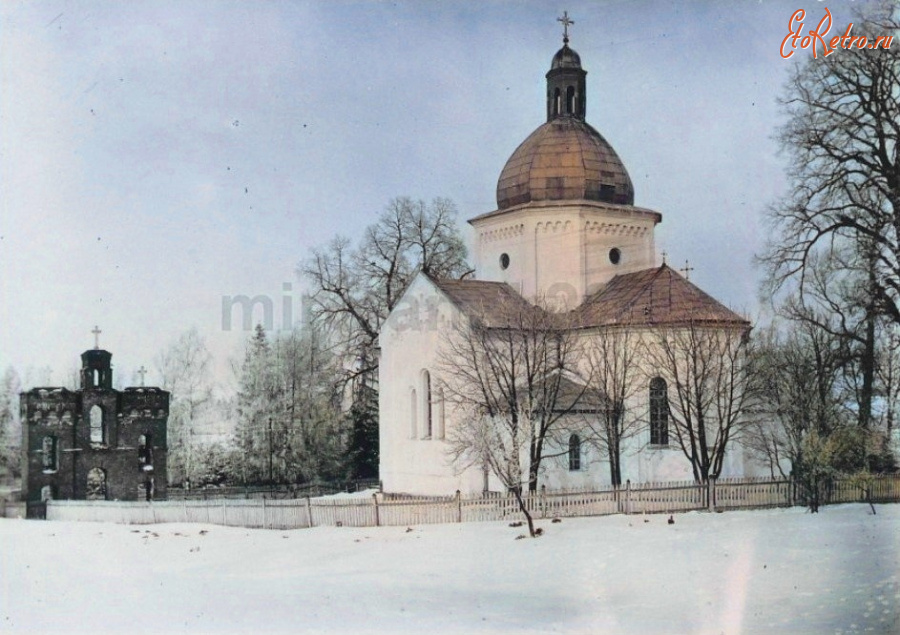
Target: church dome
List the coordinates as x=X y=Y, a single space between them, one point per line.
x=564 y=159
x=566 y=58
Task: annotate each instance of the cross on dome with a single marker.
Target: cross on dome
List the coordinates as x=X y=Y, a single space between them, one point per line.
x=566 y=22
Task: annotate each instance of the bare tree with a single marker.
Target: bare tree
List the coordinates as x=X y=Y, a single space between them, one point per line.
x=184 y=370
x=839 y=300
x=709 y=386
x=355 y=288
x=842 y=138
x=611 y=358
x=10 y=423
x=888 y=368
x=797 y=366
x=505 y=374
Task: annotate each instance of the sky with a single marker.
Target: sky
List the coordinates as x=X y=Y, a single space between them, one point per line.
x=158 y=156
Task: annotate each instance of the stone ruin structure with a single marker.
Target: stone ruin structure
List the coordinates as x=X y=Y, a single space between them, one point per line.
x=94 y=443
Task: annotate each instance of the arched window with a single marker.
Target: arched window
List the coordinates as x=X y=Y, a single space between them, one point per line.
x=439 y=413
x=413 y=412
x=574 y=453
x=570 y=100
x=145 y=453
x=556 y=101
x=659 y=412
x=49 y=457
x=98 y=434
x=427 y=420
x=96 y=485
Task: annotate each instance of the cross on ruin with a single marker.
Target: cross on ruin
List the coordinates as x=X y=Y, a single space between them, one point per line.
x=96 y=333
x=687 y=270
x=566 y=22
x=142 y=372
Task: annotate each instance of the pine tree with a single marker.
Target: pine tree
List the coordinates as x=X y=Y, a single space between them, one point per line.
x=254 y=408
x=363 y=424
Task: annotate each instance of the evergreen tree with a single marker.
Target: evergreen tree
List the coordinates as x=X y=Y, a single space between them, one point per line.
x=363 y=424
x=254 y=408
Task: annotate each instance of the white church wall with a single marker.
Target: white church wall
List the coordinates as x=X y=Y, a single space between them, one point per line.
x=557 y=275
x=504 y=235
x=412 y=460
x=643 y=462
x=632 y=241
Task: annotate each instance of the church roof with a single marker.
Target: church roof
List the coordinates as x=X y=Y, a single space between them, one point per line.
x=651 y=297
x=489 y=302
x=654 y=297
x=576 y=397
x=564 y=159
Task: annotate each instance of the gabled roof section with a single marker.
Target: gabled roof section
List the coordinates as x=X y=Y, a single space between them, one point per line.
x=653 y=297
x=575 y=397
x=488 y=302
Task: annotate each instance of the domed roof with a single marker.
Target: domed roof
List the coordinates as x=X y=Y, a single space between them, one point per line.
x=564 y=159
x=565 y=58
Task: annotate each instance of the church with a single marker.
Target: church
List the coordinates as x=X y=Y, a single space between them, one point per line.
x=96 y=442
x=566 y=229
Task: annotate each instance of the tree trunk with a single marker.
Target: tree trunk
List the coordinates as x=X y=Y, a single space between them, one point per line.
x=868 y=370
x=517 y=492
x=615 y=466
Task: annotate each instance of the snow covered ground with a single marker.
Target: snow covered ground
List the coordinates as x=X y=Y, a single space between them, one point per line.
x=775 y=571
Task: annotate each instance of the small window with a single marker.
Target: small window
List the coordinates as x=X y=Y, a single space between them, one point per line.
x=47 y=493
x=659 y=412
x=49 y=455
x=145 y=453
x=504 y=261
x=615 y=255
x=570 y=100
x=574 y=453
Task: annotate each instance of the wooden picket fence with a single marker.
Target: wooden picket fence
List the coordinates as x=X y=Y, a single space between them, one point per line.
x=398 y=510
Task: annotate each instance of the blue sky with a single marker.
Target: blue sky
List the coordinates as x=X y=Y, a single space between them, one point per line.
x=156 y=156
